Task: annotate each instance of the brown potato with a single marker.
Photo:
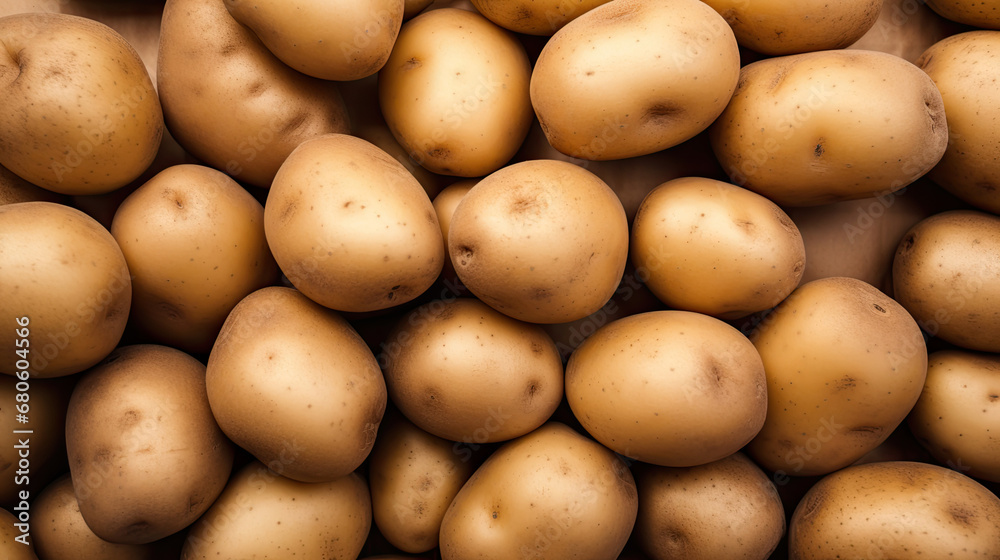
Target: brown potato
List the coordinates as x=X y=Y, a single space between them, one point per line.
x=971 y=12
x=15 y=541
x=535 y=17
x=14 y=189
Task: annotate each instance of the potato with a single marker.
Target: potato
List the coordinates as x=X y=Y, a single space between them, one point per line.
x=671 y=388
x=264 y=516
x=965 y=69
x=533 y=17
x=896 y=510
x=543 y=241
x=957 y=417
x=670 y=67
x=777 y=27
x=350 y=227
x=945 y=274
x=65 y=535
x=969 y=12
x=229 y=101
x=12 y=548
x=465 y=372
x=445 y=204
x=551 y=494
x=145 y=454
x=455 y=92
x=14 y=189
x=827 y=126
x=341 y=40
x=80 y=115
x=726 y=509
x=414 y=476
x=707 y=246
x=194 y=243
x=414 y=7
x=845 y=364
x=66 y=274
x=292 y=383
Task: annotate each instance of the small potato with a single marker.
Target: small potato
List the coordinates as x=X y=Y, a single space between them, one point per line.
x=535 y=17
x=414 y=476
x=777 y=27
x=945 y=274
x=725 y=509
x=970 y=12
x=11 y=548
x=715 y=248
x=957 y=417
x=350 y=227
x=671 y=388
x=14 y=189
x=827 y=126
x=445 y=204
x=896 y=510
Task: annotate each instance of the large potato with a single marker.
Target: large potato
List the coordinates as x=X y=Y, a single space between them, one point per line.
x=80 y=115
x=966 y=68
x=945 y=274
x=671 y=388
x=535 y=17
x=350 y=227
x=551 y=494
x=455 y=92
x=825 y=126
x=66 y=274
x=845 y=364
x=229 y=101
x=634 y=77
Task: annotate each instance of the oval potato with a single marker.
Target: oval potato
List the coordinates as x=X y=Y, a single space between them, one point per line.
x=534 y=17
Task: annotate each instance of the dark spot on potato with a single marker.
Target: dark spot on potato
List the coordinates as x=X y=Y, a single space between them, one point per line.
x=392 y=292
x=495 y=514
x=194 y=502
x=878 y=308
x=170 y=311
x=424 y=483
x=778 y=78
x=616 y=12
x=731 y=16
x=536 y=348
x=137 y=528
x=293 y=124
x=522 y=13
x=962 y=515
x=439 y=153
x=907 y=243
x=102 y=456
x=867 y=430
x=130 y=418
x=256 y=88
x=348 y=203
x=412 y=64
x=288 y=211
x=987 y=186
x=745 y=225
x=465 y=254
x=660 y=114
x=846 y=382
x=812 y=503
x=819 y=149
x=994 y=398
x=935 y=111
x=541 y=294
x=229 y=49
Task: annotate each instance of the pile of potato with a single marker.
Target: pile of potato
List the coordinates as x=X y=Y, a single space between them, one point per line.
x=547 y=279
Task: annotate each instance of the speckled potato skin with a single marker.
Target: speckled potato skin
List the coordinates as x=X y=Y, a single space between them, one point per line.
x=715 y=248
x=670 y=67
x=543 y=241
x=145 y=453
x=970 y=12
x=414 y=476
x=896 y=509
x=966 y=69
x=66 y=273
x=550 y=494
x=778 y=27
x=535 y=17
x=945 y=274
x=264 y=516
x=725 y=509
x=14 y=189
x=957 y=417
x=455 y=92
x=671 y=388
x=350 y=226
x=13 y=550
x=80 y=115
x=845 y=364
x=827 y=126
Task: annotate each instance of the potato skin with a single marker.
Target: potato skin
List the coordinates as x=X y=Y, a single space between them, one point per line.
x=534 y=17
x=669 y=65
x=845 y=364
x=13 y=550
x=827 y=126
x=944 y=274
x=80 y=115
x=969 y=12
x=895 y=509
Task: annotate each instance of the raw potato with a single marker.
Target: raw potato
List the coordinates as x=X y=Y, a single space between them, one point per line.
x=194 y=242
x=80 y=115
x=263 y=516
x=14 y=189
x=145 y=454
x=232 y=103
x=455 y=92
x=958 y=415
x=350 y=227
x=821 y=127
x=64 y=272
x=715 y=248
x=778 y=27
x=845 y=364
x=543 y=241
x=414 y=7
x=14 y=550
x=334 y=40
x=966 y=68
x=535 y=17
x=414 y=476
x=971 y=12
x=945 y=274
x=671 y=388
x=465 y=372
x=293 y=383
x=725 y=509
x=670 y=67
x=896 y=510
x=551 y=494
x=445 y=204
